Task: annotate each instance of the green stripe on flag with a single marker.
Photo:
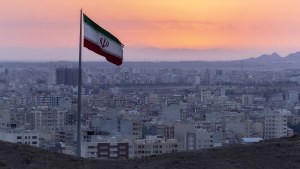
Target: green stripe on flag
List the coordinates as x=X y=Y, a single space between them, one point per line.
x=103 y=31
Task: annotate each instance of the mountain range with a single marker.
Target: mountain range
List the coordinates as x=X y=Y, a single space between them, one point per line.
x=274 y=57
x=264 y=62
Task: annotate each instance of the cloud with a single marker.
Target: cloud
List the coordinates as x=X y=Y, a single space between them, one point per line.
x=156 y=24
x=36 y=24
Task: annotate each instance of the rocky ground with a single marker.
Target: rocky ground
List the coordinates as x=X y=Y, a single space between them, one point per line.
x=276 y=154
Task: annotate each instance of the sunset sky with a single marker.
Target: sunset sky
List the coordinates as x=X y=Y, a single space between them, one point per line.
x=153 y=30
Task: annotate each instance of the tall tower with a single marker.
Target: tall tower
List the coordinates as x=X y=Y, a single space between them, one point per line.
x=52 y=74
x=67 y=76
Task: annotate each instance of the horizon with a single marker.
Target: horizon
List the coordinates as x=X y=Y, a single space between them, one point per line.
x=102 y=59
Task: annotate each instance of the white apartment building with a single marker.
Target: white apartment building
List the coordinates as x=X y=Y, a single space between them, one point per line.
x=247 y=100
x=46 y=119
x=155 y=99
x=53 y=101
x=240 y=128
x=171 y=112
x=276 y=124
x=224 y=116
x=198 y=140
x=20 y=136
x=131 y=127
x=120 y=149
x=109 y=149
x=293 y=96
x=231 y=105
x=154 y=145
x=206 y=95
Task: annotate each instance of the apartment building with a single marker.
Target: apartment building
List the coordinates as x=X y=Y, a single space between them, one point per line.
x=276 y=124
x=198 y=140
x=155 y=145
x=20 y=136
x=124 y=149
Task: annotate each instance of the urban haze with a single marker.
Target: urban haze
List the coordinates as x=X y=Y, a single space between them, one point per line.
x=143 y=109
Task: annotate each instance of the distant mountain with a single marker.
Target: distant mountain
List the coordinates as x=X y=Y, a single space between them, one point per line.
x=272 y=57
x=295 y=57
x=275 y=58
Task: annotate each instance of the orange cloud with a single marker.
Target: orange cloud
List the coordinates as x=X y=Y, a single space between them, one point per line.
x=200 y=24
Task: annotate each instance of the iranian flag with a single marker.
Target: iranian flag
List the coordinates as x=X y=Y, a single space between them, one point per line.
x=102 y=42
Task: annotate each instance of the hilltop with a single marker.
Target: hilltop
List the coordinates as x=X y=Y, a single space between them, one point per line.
x=282 y=153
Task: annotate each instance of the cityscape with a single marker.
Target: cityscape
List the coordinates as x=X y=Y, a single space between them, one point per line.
x=166 y=84
x=146 y=109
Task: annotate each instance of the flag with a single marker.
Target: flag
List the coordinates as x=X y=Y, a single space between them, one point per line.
x=102 y=42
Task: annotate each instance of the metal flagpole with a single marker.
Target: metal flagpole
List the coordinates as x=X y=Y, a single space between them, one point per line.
x=79 y=92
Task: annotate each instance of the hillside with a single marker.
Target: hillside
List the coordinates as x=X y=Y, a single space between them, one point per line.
x=283 y=153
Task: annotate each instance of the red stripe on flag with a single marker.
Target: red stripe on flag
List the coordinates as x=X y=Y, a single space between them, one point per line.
x=95 y=48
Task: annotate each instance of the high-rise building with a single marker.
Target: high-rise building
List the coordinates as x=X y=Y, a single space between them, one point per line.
x=247 y=100
x=293 y=96
x=67 y=76
x=6 y=71
x=219 y=72
x=52 y=75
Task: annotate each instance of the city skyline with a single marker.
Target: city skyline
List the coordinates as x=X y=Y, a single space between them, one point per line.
x=152 y=31
x=146 y=109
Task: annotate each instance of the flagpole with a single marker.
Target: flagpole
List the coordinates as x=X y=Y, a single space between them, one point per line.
x=79 y=91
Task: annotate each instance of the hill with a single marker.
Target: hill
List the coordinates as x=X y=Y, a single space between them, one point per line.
x=282 y=153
